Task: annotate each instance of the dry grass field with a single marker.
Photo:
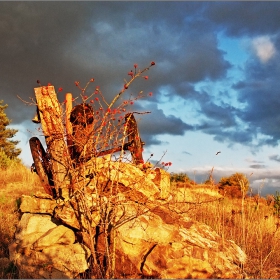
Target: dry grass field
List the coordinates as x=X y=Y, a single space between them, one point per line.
x=14 y=182
x=250 y=223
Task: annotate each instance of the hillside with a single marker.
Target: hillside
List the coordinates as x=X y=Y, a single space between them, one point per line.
x=251 y=223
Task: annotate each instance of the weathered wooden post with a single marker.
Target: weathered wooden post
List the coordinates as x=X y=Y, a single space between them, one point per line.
x=68 y=124
x=136 y=147
x=51 y=116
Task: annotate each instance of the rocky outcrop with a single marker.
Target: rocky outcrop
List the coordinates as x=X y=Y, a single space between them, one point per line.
x=149 y=238
x=44 y=249
x=172 y=246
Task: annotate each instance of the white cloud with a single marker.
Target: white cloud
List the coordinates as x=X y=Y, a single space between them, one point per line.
x=264 y=48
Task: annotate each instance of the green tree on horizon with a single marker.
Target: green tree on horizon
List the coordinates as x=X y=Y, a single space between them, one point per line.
x=7 y=146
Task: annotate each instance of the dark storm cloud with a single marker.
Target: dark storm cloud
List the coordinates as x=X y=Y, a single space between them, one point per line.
x=56 y=40
x=223 y=114
x=260 y=92
x=245 y=18
x=157 y=123
x=61 y=42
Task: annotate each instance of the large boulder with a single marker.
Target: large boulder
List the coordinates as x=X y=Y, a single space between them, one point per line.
x=31 y=227
x=44 y=249
x=54 y=262
x=59 y=235
x=163 y=244
x=32 y=204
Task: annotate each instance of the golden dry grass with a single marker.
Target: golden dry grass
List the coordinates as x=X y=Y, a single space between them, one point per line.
x=14 y=182
x=253 y=226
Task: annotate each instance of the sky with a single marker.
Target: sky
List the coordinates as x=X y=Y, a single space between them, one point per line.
x=215 y=84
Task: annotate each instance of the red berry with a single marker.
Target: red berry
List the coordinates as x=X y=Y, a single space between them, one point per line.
x=60 y=89
x=135 y=65
x=153 y=63
x=125 y=86
x=146 y=77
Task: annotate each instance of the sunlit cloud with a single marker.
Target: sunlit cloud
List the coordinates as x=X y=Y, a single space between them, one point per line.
x=263 y=48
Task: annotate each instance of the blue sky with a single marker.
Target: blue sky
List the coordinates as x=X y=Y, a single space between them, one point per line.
x=215 y=84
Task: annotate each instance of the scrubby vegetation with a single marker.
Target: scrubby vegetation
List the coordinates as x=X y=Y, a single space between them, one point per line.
x=234 y=186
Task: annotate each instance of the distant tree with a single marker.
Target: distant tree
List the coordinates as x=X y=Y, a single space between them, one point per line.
x=234 y=185
x=179 y=177
x=7 y=146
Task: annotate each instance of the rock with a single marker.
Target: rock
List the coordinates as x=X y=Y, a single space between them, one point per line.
x=30 y=228
x=66 y=214
x=40 y=194
x=71 y=257
x=59 y=235
x=37 y=205
x=195 y=195
x=54 y=262
x=44 y=250
x=33 y=224
x=162 y=181
x=126 y=174
x=72 y=213
x=167 y=245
